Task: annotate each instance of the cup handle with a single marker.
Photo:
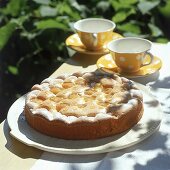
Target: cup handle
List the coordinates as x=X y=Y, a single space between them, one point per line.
x=151 y=58
x=94 y=35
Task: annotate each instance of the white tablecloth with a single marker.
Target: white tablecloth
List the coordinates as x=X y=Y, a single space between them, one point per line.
x=151 y=154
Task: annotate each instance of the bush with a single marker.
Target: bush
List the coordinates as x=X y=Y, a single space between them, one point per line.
x=33 y=33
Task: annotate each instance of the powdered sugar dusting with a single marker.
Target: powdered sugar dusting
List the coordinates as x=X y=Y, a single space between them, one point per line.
x=83 y=100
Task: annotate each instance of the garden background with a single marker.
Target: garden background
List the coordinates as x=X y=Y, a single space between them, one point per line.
x=33 y=34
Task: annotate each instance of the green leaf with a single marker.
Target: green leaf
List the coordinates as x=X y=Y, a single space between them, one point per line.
x=14 y=7
x=5 y=33
x=13 y=70
x=74 y=4
x=162 y=40
x=103 y=6
x=77 y=9
x=156 y=32
x=122 y=15
x=50 y=23
x=116 y=5
x=146 y=6
x=47 y=11
x=130 y=34
x=45 y=2
x=130 y=2
x=119 y=17
x=120 y=5
x=129 y=27
x=65 y=9
x=20 y=20
x=165 y=10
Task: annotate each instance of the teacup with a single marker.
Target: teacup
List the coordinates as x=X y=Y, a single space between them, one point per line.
x=94 y=33
x=129 y=53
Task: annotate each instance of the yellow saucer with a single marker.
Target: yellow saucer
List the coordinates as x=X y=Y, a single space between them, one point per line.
x=107 y=64
x=74 y=43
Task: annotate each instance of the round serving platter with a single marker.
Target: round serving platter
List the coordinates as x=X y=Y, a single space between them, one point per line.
x=149 y=123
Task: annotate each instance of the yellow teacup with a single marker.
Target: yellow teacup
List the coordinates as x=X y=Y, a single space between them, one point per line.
x=94 y=33
x=129 y=53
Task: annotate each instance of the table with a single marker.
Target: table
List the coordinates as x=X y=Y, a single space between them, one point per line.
x=15 y=155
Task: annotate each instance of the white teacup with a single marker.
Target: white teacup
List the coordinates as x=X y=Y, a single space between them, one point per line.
x=129 y=53
x=94 y=33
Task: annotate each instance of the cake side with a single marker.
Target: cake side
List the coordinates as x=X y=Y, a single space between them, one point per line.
x=83 y=129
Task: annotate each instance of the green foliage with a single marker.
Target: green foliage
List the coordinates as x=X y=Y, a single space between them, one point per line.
x=130 y=27
x=146 y=6
x=50 y=23
x=13 y=70
x=14 y=7
x=155 y=31
x=165 y=9
x=47 y=11
x=30 y=19
x=5 y=33
x=123 y=14
x=140 y=18
x=45 y=2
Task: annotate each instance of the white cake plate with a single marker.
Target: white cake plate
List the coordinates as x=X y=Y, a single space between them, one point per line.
x=149 y=123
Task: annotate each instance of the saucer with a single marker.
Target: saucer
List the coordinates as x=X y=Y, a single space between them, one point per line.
x=107 y=64
x=75 y=43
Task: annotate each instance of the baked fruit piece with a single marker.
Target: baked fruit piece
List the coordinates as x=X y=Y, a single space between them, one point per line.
x=87 y=105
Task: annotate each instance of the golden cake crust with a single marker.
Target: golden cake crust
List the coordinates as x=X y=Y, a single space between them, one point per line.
x=84 y=106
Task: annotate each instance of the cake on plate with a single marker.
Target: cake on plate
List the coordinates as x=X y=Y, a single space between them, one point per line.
x=88 y=105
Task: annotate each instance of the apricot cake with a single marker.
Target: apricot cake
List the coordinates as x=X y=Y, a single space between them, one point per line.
x=87 y=105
